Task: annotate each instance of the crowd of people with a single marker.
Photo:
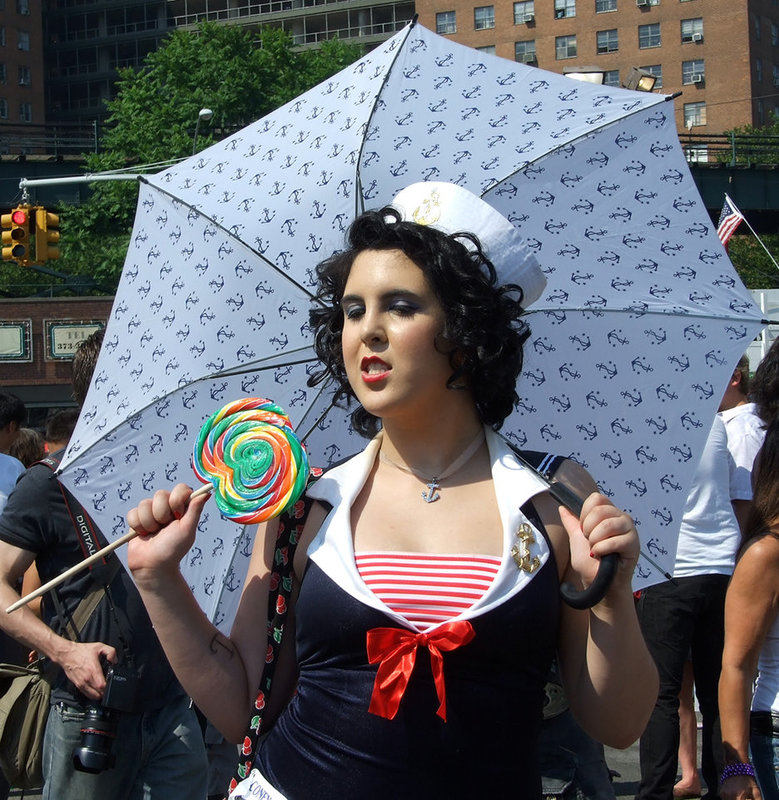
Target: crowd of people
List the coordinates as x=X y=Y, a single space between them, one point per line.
x=421 y=657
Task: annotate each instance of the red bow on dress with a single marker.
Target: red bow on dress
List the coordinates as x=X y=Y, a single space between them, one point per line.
x=396 y=650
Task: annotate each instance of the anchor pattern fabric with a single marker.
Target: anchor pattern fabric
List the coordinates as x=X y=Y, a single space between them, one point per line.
x=641 y=322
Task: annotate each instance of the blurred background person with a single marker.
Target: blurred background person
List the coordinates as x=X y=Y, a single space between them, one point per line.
x=12 y=415
x=28 y=447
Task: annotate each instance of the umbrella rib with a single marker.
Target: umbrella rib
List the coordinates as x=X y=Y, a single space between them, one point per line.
x=359 y=205
x=245 y=244
x=585 y=135
x=642 y=313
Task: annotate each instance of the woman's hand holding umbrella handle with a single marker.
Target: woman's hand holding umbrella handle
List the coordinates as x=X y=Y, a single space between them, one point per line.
x=596 y=591
x=615 y=523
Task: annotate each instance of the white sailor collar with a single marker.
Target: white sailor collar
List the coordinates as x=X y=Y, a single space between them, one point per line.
x=332 y=548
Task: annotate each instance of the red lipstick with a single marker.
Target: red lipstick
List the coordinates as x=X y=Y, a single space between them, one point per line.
x=373 y=369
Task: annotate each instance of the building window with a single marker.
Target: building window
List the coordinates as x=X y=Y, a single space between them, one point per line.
x=759 y=70
x=2 y=35
x=611 y=77
x=657 y=71
x=524 y=11
x=760 y=112
x=694 y=114
x=602 y=6
x=775 y=75
x=692 y=71
x=3 y=73
x=23 y=40
x=649 y=35
x=3 y=108
x=564 y=8
x=692 y=30
x=23 y=7
x=565 y=46
x=446 y=22
x=758 y=27
x=25 y=77
x=488 y=48
x=607 y=41
x=774 y=34
x=483 y=17
x=25 y=112
x=525 y=52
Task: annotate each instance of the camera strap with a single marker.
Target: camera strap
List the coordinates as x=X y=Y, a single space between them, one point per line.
x=102 y=574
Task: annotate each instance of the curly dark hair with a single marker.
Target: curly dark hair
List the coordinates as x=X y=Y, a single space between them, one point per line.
x=83 y=365
x=482 y=319
x=764 y=510
x=764 y=388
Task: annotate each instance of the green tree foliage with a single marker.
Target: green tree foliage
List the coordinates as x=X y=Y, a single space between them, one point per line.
x=753 y=264
x=751 y=144
x=153 y=118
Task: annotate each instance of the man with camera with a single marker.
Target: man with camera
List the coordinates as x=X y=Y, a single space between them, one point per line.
x=120 y=725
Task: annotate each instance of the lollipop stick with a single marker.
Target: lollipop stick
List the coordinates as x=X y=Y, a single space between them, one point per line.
x=87 y=562
x=205 y=489
x=76 y=568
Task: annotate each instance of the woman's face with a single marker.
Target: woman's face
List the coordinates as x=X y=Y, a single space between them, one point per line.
x=392 y=321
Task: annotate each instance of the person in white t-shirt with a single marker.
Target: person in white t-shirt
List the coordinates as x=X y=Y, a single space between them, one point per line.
x=746 y=432
x=685 y=616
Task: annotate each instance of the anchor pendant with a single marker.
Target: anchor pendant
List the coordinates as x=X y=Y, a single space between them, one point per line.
x=431 y=495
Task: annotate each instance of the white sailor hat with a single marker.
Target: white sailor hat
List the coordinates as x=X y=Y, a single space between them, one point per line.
x=452 y=209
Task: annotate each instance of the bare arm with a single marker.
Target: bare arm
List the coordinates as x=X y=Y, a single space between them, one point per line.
x=750 y=609
x=80 y=661
x=221 y=673
x=604 y=661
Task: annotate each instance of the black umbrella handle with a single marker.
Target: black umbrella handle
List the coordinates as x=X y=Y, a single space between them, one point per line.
x=596 y=591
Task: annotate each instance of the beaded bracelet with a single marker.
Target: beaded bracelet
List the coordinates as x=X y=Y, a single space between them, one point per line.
x=737 y=769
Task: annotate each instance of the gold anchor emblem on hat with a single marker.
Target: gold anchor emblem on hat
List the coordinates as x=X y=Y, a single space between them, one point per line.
x=428 y=211
x=520 y=552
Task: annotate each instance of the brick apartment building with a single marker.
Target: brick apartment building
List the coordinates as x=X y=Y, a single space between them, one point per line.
x=21 y=65
x=722 y=55
x=37 y=339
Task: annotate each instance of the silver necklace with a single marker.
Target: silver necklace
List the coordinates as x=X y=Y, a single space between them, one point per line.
x=434 y=484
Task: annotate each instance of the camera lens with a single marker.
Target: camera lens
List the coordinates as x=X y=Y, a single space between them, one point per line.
x=97 y=737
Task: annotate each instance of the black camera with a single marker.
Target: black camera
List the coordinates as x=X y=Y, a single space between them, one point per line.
x=121 y=684
x=95 y=752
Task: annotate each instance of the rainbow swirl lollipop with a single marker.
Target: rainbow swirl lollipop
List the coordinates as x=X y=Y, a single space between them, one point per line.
x=256 y=464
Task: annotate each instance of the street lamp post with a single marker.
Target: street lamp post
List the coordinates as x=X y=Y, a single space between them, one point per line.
x=204 y=114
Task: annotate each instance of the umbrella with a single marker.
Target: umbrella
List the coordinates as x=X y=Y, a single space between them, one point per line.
x=633 y=339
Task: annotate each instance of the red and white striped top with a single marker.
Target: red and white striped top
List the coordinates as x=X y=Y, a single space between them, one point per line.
x=427 y=588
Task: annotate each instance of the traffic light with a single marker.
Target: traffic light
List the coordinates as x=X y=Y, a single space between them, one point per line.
x=16 y=235
x=46 y=234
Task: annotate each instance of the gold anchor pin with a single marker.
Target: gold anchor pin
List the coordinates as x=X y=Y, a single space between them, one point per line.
x=520 y=552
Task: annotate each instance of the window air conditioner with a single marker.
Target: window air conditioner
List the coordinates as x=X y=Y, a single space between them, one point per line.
x=697 y=78
x=642 y=3
x=529 y=58
x=697 y=37
x=529 y=19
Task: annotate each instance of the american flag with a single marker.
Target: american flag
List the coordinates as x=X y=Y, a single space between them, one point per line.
x=729 y=219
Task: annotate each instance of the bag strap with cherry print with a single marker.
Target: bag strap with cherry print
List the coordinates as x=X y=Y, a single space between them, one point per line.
x=290 y=528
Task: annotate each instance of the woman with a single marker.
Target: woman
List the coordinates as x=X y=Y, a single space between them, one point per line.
x=752 y=644
x=413 y=327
